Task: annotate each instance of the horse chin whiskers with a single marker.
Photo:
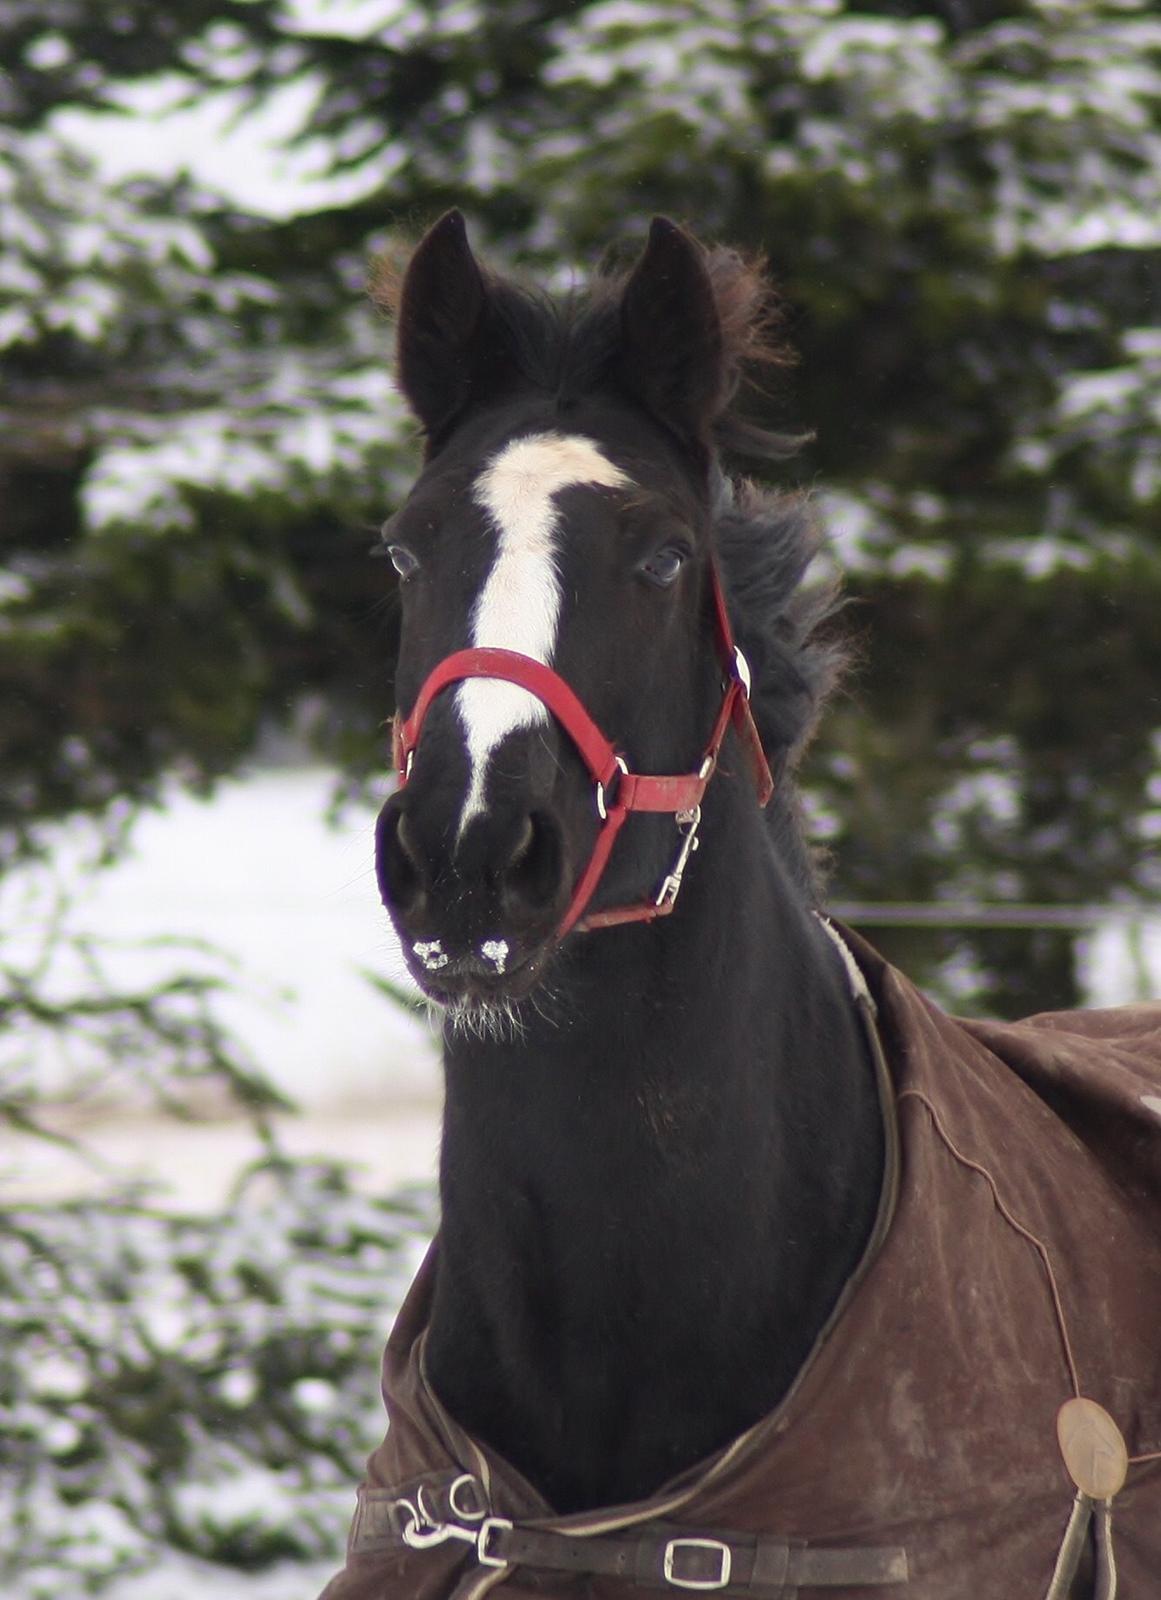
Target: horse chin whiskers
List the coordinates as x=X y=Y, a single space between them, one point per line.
x=497 y=1021
x=550 y=1005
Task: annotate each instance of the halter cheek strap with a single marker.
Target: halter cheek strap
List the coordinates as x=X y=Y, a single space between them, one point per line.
x=618 y=790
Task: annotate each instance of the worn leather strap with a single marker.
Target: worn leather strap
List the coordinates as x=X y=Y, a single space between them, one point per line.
x=435 y=1510
x=665 y=1558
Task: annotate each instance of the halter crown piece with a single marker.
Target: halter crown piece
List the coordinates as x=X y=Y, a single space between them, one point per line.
x=618 y=790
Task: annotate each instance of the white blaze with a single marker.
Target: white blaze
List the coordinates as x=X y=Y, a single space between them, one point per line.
x=519 y=606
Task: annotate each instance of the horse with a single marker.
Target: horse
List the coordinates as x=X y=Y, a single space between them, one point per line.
x=755 y=1274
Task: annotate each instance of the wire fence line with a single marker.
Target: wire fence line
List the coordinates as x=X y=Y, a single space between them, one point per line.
x=1132 y=919
x=989 y=914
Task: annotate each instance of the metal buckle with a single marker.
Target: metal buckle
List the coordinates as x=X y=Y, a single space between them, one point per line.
x=488 y=1527
x=602 y=809
x=722 y=1551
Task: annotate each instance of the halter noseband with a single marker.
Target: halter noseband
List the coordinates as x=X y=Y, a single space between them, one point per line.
x=618 y=791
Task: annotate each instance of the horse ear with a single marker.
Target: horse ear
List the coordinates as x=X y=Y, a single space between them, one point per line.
x=442 y=308
x=671 y=337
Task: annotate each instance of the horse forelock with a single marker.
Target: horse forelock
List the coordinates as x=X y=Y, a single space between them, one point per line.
x=564 y=344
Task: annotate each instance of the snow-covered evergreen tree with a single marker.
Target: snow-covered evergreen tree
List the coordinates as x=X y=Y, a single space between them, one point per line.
x=962 y=202
x=180 y=1398
x=959 y=197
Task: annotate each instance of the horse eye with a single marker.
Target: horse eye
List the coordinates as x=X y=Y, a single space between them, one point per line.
x=662 y=567
x=405 y=564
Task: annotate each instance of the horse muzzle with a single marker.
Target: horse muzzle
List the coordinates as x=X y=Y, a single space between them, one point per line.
x=474 y=924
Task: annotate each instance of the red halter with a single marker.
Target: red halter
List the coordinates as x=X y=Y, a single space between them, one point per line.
x=618 y=791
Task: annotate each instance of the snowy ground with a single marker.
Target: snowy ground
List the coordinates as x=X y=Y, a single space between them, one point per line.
x=258 y=873
x=176 y=1578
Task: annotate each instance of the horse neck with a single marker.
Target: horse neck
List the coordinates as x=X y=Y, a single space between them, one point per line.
x=649 y=1203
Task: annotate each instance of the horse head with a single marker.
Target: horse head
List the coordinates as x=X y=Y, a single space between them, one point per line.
x=565 y=651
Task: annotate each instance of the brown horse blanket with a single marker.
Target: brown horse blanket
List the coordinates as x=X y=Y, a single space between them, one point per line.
x=916 y=1455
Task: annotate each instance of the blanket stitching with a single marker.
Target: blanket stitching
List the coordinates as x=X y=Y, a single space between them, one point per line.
x=1025 y=1233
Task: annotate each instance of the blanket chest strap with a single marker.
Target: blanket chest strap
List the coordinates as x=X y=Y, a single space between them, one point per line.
x=695 y=1562
x=432 y=1510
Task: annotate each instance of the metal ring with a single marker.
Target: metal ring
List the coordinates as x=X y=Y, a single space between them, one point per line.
x=425 y=1514
x=406 y=1506
x=602 y=809
x=742 y=672
x=417 y=1534
x=464 y=1516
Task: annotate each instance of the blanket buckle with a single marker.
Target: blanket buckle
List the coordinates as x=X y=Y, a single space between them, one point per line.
x=671 y=1558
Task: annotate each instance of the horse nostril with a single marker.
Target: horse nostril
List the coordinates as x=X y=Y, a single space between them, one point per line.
x=533 y=875
x=398 y=861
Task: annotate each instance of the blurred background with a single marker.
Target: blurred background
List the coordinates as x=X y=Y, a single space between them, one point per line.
x=961 y=201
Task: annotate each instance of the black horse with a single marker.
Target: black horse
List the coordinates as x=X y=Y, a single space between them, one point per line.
x=670 y=1155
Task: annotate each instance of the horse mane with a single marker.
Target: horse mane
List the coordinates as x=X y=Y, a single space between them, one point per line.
x=766 y=542
x=565 y=344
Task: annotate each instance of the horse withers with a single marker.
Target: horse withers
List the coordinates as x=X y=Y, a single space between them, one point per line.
x=756 y=1274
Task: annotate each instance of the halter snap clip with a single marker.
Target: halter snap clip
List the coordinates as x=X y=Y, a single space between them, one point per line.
x=688 y=822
